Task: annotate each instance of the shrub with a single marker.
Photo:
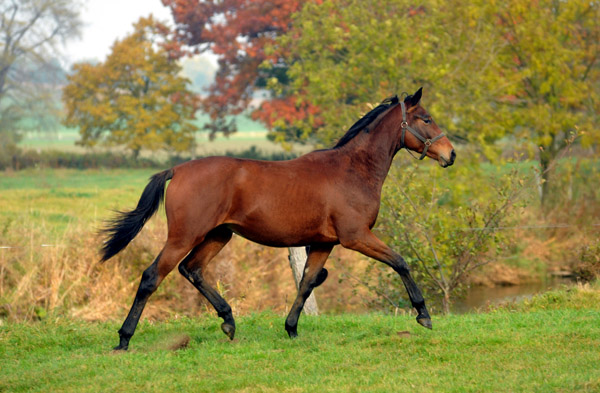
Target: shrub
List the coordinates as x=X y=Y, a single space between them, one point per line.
x=588 y=266
x=443 y=224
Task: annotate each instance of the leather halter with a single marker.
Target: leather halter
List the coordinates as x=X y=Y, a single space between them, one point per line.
x=404 y=125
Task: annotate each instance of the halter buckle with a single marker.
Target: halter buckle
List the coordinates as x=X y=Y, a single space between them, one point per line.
x=404 y=124
x=427 y=142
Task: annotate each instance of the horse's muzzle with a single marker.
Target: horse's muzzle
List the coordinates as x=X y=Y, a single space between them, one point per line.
x=446 y=162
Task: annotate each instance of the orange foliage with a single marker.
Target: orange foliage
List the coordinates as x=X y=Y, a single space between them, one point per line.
x=238 y=31
x=287 y=110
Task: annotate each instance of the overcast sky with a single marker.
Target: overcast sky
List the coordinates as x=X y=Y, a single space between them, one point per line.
x=107 y=20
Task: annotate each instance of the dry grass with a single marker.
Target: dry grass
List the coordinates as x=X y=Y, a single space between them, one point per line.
x=65 y=278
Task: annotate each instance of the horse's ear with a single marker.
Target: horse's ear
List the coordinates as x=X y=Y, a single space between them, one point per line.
x=414 y=99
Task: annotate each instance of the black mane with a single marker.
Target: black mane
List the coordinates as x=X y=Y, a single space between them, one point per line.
x=366 y=120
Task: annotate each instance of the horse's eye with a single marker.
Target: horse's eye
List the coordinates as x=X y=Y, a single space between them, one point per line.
x=427 y=121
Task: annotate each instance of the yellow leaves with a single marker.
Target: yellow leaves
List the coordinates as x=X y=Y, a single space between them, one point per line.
x=135 y=98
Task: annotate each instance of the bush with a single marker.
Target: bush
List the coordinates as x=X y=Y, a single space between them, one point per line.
x=443 y=224
x=588 y=266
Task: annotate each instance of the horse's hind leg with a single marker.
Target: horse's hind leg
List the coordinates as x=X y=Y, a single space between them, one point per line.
x=192 y=268
x=314 y=275
x=151 y=279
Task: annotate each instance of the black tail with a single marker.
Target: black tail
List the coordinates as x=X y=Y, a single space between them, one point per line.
x=122 y=229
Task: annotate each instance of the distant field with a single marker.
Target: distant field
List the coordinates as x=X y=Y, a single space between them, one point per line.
x=66 y=196
x=250 y=133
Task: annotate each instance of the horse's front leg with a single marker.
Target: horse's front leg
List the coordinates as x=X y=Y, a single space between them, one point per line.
x=368 y=244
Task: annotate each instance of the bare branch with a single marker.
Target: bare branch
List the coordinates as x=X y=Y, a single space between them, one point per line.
x=29 y=32
x=424 y=264
x=428 y=238
x=373 y=289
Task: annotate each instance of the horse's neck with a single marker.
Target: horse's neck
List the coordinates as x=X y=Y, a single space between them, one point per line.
x=372 y=153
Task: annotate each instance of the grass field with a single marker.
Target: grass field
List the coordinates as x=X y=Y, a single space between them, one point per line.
x=58 y=198
x=549 y=344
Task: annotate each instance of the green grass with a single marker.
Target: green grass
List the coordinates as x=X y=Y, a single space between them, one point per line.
x=55 y=199
x=536 y=351
x=89 y=179
x=546 y=344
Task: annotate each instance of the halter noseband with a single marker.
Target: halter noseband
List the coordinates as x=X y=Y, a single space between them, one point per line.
x=404 y=125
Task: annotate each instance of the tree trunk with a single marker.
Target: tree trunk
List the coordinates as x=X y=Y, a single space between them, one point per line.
x=297 y=260
x=547 y=155
x=446 y=302
x=545 y=177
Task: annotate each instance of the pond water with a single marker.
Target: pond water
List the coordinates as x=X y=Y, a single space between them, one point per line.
x=480 y=297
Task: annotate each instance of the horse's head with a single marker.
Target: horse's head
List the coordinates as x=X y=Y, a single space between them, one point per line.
x=419 y=133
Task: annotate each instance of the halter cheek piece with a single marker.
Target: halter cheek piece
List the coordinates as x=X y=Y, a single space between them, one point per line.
x=404 y=125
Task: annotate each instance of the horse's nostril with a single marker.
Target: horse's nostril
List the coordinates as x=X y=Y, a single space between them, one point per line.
x=452 y=156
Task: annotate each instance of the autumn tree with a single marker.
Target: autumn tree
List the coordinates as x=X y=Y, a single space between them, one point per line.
x=520 y=69
x=136 y=98
x=242 y=33
x=30 y=34
x=356 y=53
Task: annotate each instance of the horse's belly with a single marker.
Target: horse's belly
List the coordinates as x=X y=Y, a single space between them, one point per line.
x=281 y=206
x=281 y=239
x=283 y=229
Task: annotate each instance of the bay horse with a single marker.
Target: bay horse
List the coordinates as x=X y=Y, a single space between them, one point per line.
x=319 y=200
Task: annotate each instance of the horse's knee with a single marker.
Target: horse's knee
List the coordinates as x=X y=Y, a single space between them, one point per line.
x=321 y=277
x=193 y=275
x=401 y=267
x=149 y=280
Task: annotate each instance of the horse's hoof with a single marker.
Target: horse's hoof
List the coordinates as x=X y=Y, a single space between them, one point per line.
x=228 y=329
x=425 y=322
x=292 y=331
x=120 y=348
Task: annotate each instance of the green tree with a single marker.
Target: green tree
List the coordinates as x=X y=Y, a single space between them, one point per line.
x=30 y=31
x=550 y=60
x=136 y=97
x=520 y=69
x=354 y=53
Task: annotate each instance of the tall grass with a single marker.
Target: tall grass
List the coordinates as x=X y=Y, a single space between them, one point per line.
x=60 y=275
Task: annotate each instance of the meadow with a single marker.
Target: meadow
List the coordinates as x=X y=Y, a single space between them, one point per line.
x=547 y=344
x=60 y=309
